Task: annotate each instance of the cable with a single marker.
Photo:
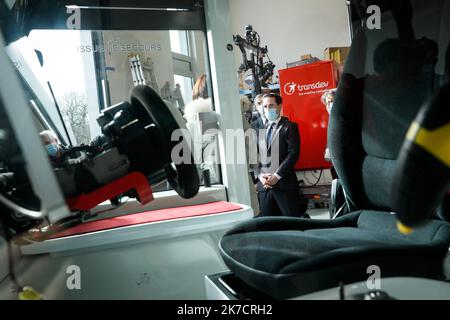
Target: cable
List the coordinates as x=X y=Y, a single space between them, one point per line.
x=267 y=55
x=313 y=174
x=318 y=179
x=15 y=207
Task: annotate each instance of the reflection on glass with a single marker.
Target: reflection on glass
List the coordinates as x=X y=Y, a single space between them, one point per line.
x=179 y=42
x=185 y=90
x=92 y=70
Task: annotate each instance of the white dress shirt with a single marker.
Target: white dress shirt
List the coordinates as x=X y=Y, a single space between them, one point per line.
x=271 y=123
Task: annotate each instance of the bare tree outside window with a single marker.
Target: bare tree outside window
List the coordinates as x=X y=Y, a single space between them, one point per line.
x=74 y=110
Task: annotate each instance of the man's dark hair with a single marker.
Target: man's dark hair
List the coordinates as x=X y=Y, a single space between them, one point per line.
x=277 y=97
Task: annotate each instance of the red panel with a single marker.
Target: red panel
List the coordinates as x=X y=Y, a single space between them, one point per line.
x=301 y=88
x=149 y=217
x=135 y=180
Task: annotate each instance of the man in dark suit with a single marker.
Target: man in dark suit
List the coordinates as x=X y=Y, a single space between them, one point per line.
x=279 y=149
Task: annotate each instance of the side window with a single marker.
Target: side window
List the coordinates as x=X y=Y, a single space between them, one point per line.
x=92 y=70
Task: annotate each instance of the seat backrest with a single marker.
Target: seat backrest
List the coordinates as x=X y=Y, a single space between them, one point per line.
x=389 y=74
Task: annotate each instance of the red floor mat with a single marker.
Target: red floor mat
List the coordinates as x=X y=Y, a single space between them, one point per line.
x=150 y=216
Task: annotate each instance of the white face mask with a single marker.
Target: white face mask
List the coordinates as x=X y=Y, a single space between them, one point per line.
x=272 y=114
x=52 y=149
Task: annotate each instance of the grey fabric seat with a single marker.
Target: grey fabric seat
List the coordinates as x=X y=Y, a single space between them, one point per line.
x=388 y=76
x=285 y=257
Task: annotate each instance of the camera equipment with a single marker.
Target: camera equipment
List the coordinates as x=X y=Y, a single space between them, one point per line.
x=124 y=156
x=261 y=71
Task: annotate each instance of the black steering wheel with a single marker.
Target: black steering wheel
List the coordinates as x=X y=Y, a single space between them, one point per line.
x=422 y=176
x=150 y=108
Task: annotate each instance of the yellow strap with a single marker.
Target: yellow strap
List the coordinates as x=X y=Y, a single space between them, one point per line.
x=29 y=293
x=436 y=142
x=404 y=229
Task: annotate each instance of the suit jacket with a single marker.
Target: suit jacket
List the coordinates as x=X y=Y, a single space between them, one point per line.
x=282 y=155
x=257 y=122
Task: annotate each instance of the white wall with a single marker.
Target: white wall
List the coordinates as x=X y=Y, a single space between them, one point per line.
x=120 y=80
x=291 y=28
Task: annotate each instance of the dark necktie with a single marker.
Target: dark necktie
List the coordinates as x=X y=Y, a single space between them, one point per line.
x=269 y=134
